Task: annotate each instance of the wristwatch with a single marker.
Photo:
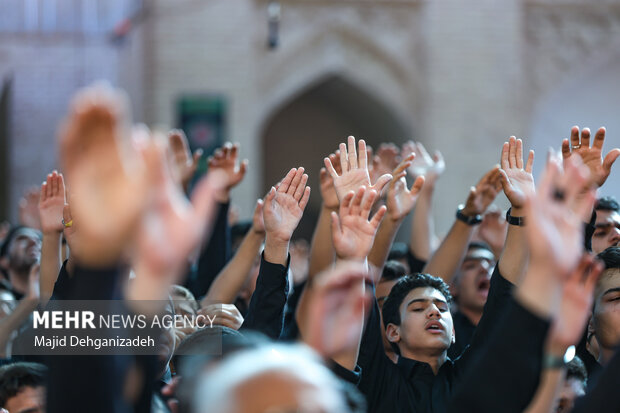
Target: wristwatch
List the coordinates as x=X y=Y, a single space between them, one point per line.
x=469 y=220
x=518 y=221
x=551 y=361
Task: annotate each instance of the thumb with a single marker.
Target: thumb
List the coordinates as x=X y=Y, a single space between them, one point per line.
x=610 y=158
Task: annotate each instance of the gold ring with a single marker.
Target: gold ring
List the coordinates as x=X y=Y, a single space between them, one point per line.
x=67 y=224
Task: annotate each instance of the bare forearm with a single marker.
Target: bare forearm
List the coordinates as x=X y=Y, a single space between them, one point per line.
x=383 y=242
x=513 y=260
x=322 y=251
x=448 y=257
x=50 y=264
x=422 y=225
x=548 y=390
x=229 y=281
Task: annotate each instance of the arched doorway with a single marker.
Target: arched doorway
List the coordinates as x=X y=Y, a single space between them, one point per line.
x=310 y=126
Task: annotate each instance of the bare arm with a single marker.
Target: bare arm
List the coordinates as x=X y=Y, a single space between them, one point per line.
x=446 y=260
x=400 y=201
x=51 y=204
x=421 y=242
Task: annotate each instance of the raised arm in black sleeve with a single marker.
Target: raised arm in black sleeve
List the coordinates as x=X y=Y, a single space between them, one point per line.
x=266 y=312
x=214 y=256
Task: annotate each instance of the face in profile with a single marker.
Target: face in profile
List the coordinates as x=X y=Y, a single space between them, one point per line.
x=606 y=313
x=426 y=323
x=606 y=231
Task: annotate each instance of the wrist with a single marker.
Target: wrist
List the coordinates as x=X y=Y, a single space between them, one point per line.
x=52 y=234
x=222 y=196
x=276 y=249
x=468 y=216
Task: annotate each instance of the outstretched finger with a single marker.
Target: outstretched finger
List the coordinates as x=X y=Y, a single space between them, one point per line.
x=55 y=186
x=304 y=199
x=286 y=182
x=43 y=195
x=599 y=138
x=329 y=168
x=585 y=137
x=381 y=182
x=351 y=152
x=376 y=219
x=519 y=154
x=417 y=185
x=295 y=182
x=356 y=204
x=565 y=149
x=574 y=136
x=610 y=158
x=504 y=157
x=512 y=151
x=367 y=202
x=344 y=162
x=362 y=154
x=345 y=205
x=301 y=187
x=530 y=161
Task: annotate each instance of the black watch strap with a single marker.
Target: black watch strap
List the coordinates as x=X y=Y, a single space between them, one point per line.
x=469 y=220
x=518 y=221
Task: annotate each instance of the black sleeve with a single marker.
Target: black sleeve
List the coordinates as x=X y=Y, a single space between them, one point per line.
x=504 y=376
x=379 y=374
x=290 y=331
x=89 y=380
x=416 y=265
x=589 y=231
x=214 y=257
x=63 y=285
x=603 y=395
x=266 y=312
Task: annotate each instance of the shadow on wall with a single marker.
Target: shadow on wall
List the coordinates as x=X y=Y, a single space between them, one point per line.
x=312 y=125
x=589 y=98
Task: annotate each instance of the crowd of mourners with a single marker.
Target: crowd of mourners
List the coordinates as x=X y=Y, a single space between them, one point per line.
x=511 y=311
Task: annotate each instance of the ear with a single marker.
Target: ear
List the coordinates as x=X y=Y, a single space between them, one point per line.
x=392 y=332
x=591 y=325
x=453 y=335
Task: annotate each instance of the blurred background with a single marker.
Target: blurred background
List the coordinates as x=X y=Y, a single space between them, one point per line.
x=291 y=79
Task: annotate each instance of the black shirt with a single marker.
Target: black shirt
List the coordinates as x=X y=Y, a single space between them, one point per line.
x=411 y=386
x=464 y=329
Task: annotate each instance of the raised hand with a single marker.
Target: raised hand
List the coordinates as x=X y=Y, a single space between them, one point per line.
x=400 y=199
x=555 y=230
x=28 y=209
x=424 y=164
x=51 y=203
x=284 y=206
x=106 y=175
x=516 y=180
x=592 y=156
x=226 y=159
x=328 y=191
x=484 y=193
x=493 y=229
x=386 y=159
x=226 y=315
x=353 y=231
x=172 y=227
x=354 y=170
x=185 y=163
x=337 y=300
x=258 y=225
x=570 y=319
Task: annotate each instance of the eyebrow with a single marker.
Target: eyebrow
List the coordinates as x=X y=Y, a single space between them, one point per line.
x=426 y=300
x=611 y=290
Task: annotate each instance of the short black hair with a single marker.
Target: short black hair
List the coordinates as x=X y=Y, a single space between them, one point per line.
x=575 y=369
x=16 y=376
x=391 y=306
x=610 y=257
x=393 y=270
x=607 y=203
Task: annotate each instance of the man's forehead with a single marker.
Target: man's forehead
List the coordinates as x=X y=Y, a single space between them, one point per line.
x=425 y=293
x=610 y=279
x=27 y=233
x=607 y=217
x=479 y=254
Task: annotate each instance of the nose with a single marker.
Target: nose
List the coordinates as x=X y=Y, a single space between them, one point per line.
x=433 y=312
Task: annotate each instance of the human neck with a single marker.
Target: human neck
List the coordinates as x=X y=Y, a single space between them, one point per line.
x=604 y=355
x=473 y=314
x=18 y=281
x=432 y=358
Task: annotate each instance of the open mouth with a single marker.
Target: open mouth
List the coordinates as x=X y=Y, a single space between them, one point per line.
x=483 y=285
x=434 y=327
